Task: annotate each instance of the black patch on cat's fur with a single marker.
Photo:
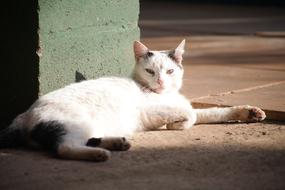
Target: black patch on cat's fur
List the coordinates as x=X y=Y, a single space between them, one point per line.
x=171 y=56
x=11 y=137
x=149 y=54
x=94 y=142
x=48 y=134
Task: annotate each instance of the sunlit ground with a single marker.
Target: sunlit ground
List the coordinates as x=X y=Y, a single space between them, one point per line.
x=225 y=63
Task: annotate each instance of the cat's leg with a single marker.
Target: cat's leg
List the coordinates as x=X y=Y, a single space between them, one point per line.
x=67 y=150
x=179 y=125
x=110 y=143
x=74 y=145
x=67 y=139
x=173 y=117
x=243 y=113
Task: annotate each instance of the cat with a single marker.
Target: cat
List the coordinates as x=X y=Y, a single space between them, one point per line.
x=87 y=120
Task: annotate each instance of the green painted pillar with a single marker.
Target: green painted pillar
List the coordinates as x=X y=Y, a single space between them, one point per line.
x=90 y=37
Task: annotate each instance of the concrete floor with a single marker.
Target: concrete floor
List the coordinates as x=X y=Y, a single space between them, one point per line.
x=224 y=65
x=229 y=156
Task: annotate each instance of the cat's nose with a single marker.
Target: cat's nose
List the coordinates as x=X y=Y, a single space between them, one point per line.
x=160 y=82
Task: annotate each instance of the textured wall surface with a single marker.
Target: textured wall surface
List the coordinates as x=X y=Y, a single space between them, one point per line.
x=92 y=37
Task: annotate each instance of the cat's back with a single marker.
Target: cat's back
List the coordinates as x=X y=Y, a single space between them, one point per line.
x=108 y=87
x=104 y=95
x=92 y=100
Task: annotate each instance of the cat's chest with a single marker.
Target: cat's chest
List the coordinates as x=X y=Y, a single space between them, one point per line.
x=170 y=99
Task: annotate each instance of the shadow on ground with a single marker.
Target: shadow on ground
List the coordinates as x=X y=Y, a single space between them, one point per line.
x=229 y=156
x=216 y=167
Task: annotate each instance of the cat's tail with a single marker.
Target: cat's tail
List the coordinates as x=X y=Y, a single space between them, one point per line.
x=12 y=136
x=236 y=113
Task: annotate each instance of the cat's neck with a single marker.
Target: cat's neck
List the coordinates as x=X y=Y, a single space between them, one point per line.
x=142 y=84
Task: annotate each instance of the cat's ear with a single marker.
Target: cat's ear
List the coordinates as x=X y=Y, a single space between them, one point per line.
x=177 y=53
x=140 y=49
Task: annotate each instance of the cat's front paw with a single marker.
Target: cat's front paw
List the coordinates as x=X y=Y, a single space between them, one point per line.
x=184 y=123
x=251 y=114
x=255 y=114
x=179 y=125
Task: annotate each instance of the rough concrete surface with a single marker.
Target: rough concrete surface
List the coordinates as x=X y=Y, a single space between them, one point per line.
x=93 y=38
x=230 y=156
x=221 y=156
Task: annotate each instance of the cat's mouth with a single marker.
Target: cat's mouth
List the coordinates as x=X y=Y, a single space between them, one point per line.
x=147 y=88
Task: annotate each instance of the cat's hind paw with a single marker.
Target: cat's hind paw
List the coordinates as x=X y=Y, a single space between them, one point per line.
x=110 y=143
x=120 y=144
x=101 y=156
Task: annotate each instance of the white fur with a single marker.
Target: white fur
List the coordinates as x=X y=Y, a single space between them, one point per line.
x=113 y=107
x=160 y=63
x=102 y=107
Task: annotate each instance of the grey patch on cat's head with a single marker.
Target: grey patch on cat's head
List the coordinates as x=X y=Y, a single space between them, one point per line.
x=171 y=55
x=148 y=55
x=79 y=77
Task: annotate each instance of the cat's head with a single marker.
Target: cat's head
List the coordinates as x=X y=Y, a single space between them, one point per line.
x=159 y=71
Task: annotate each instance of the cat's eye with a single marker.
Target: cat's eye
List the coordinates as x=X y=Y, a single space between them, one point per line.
x=170 y=71
x=150 y=71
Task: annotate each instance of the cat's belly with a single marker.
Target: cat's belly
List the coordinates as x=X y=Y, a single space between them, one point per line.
x=103 y=107
x=114 y=108
x=115 y=124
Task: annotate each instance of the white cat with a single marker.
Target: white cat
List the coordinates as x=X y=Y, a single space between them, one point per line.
x=86 y=120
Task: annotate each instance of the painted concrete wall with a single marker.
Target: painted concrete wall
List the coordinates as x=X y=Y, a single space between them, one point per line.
x=91 y=37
